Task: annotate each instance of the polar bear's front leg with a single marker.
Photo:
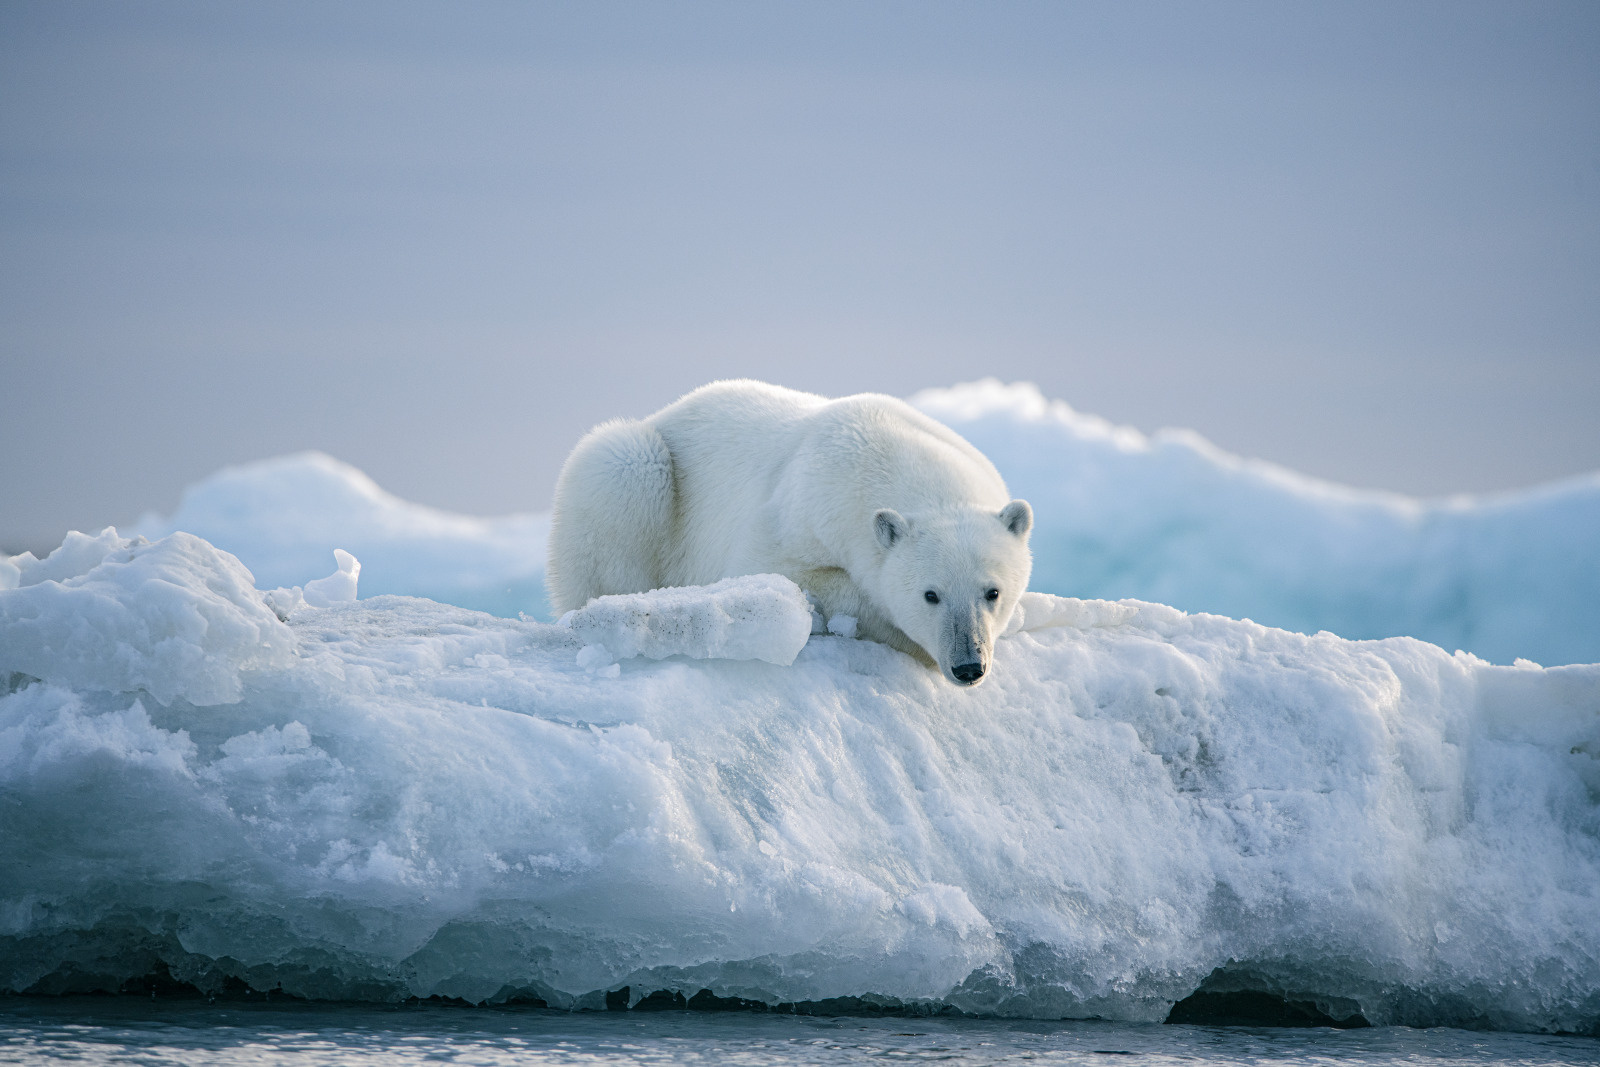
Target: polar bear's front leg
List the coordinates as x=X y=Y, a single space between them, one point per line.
x=832 y=590
x=836 y=593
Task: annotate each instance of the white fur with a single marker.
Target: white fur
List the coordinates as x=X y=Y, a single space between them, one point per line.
x=864 y=502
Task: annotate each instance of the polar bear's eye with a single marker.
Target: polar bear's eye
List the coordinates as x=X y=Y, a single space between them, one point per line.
x=931 y=597
x=993 y=594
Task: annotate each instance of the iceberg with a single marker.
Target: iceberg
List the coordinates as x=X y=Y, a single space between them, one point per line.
x=390 y=797
x=283 y=517
x=1172 y=518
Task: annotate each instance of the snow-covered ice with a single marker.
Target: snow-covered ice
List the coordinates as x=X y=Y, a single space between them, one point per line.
x=1040 y=611
x=716 y=788
x=1168 y=518
x=392 y=796
x=172 y=619
x=757 y=616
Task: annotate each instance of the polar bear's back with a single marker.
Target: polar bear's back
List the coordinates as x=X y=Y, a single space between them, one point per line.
x=767 y=476
x=735 y=430
x=893 y=456
x=740 y=436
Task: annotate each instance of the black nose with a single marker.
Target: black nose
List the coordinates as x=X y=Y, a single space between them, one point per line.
x=967 y=673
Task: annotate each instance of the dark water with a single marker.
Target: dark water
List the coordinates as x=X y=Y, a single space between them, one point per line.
x=124 y=1031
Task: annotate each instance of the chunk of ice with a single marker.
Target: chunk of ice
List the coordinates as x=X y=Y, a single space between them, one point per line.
x=1041 y=611
x=593 y=657
x=338 y=587
x=757 y=616
x=843 y=625
x=176 y=618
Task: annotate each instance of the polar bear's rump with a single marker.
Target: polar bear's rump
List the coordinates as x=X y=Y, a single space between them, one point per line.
x=614 y=504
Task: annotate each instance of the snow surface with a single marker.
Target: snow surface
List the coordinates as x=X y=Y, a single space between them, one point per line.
x=392 y=796
x=1168 y=518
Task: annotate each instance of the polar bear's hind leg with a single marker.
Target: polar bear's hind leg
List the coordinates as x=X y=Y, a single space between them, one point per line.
x=613 y=515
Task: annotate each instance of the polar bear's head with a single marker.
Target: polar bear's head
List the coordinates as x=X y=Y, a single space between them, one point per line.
x=950 y=581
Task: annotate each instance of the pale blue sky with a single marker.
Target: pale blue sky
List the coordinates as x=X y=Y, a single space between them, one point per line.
x=440 y=240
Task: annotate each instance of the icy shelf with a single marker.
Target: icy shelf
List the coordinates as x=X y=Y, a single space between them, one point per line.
x=394 y=797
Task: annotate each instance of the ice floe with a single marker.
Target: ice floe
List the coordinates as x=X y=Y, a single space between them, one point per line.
x=390 y=796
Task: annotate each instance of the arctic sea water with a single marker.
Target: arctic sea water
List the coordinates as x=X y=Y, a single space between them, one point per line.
x=219 y=788
x=35 y=1031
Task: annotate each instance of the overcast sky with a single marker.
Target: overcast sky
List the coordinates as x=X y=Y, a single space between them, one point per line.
x=440 y=241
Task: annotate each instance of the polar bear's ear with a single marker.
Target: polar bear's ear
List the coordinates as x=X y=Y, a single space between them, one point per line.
x=1017 y=517
x=890 y=526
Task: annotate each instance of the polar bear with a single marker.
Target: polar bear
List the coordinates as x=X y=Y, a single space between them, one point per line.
x=871 y=507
